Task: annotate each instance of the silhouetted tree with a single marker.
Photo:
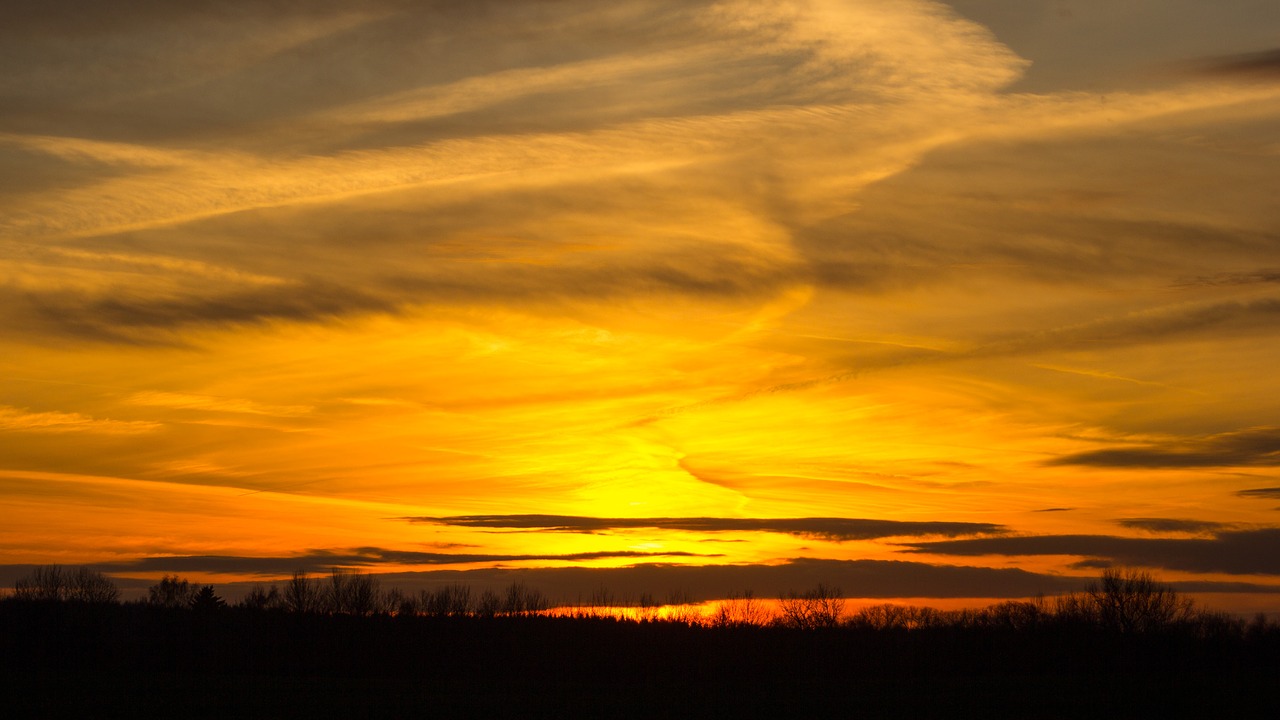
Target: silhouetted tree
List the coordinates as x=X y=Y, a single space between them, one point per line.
x=261 y=598
x=448 y=601
x=740 y=609
x=92 y=587
x=489 y=604
x=647 y=608
x=681 y=608
x=51 y=582
x=44 y=582
x=821 y=606
x=206 y=600
x=171 y=592
x=896 y=617
x=521 y=599
x=399 y=603
x=364 y=595
x=1131 y=601
x=351 y=593
x=301 y=594
x=1014 y=615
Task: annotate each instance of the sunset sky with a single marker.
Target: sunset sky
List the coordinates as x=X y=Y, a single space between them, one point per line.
x=920 y=299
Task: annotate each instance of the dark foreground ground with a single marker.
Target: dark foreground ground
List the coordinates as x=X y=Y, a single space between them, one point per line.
x=62 y=660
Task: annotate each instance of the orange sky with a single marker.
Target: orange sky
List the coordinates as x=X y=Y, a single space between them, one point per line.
x=847 y=290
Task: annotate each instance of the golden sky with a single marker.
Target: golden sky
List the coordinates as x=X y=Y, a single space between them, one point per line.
x=917 y=298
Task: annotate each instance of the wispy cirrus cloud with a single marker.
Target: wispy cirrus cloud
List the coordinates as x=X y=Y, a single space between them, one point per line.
x=188 y=401
x=18 y=419
x=837 y=529
x=1250 y=447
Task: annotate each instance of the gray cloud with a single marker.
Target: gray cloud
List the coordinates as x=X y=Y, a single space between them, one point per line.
x=1254 y=446
x=706 y=275
x=1171 y=525
x=365 y=557
x=1257 y=64
x=1240 y=552
x=856 y=578
x=838 y=529
x=121 y=318
x=1256 y=277
x=1272 y=493
x=1145 y=327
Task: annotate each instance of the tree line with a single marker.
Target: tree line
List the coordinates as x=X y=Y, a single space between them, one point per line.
x=1123 y=601
x=339 y=645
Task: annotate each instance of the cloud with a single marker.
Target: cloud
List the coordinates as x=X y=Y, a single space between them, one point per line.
x=1256 y=277
x=17 y=419
x=1265 y=64
x=1145 y=326
x=1272 y=493
x=1170 y=525
x=187 y=401
x=730 y=126
x=887 y=579
x=1237 y=552
x=856 y=578
x=142 y=319
x=1252 y=447
x=836 y=529
x=366 y=557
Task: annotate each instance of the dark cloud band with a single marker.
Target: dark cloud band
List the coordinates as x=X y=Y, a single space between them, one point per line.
x=1237 y=552
x=366 y=557
x=1252 y=447
x=828 y=528
x=1168 y=525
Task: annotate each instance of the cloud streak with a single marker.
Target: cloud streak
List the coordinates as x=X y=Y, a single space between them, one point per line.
x=1252 y=447
x=1239 y=552
x=1171 y=525
x=367 y=557
x=1264 y=64
x=17 y=419
x=836 y=529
